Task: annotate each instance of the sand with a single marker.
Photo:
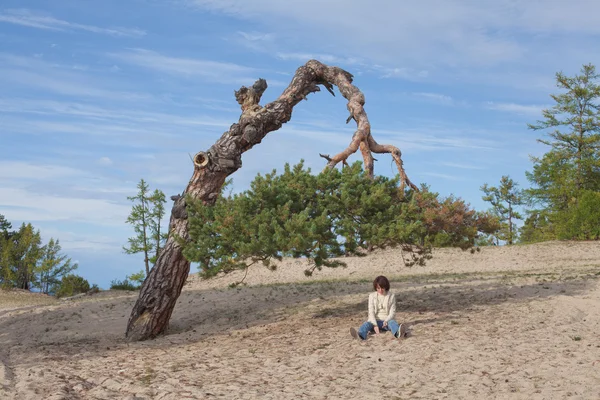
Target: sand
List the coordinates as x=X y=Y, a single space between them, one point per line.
x=516 y=322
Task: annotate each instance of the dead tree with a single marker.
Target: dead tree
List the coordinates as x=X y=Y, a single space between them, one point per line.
x=158 y=295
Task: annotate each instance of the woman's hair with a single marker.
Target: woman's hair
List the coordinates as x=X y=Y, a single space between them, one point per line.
x=382 y=282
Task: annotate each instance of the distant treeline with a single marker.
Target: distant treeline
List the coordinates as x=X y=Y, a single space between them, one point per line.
x=27 y=263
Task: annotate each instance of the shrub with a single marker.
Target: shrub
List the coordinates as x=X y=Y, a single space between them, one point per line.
x=123 y=285
x=71 y=285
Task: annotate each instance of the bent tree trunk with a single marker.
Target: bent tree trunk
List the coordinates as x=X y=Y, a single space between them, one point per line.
x=158 y=294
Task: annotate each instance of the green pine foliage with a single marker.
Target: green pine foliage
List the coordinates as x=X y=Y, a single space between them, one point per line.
x=145 y=218
x=71 y=284
x=52 y=267
x=321 y=217
x=537 y=228
x=570 y=170
x=25 y=253
x=504 y=200
x=581 y=221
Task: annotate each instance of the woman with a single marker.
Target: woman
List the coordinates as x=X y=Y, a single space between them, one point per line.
x=382 y=310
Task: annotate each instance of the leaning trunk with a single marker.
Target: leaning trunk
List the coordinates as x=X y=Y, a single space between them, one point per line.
x=158 y=295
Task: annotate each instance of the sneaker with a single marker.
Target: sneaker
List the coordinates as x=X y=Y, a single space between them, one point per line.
x=353 y=333
x=402 y=331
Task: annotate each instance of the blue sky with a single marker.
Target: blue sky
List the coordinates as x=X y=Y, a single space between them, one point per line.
x=96 y=95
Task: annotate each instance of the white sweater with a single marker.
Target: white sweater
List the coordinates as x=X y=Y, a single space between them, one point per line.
x=390 y=304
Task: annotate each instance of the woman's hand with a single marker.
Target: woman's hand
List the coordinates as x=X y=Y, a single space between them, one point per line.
x=376 y=328
x=385 y=324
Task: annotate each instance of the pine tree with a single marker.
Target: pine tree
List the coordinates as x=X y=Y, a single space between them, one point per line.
x=504 y=199
x=7 y=274
x=572 y=165
x=319 y=217
x=27 y=251
x=52 y=267
x=5 y=227
x=145 y=217
x=5 y=252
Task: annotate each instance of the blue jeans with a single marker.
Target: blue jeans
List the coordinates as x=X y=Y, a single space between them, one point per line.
x=369 y=327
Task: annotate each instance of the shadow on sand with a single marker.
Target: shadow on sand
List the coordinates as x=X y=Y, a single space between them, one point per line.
x=200 y=314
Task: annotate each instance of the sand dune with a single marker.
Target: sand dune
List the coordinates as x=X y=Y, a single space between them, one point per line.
x=517 y=322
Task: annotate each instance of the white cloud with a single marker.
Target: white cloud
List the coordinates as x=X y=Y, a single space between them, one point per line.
x=221 y=72
x=86 y=241
x=461 y=166
x=115 y=117
x=36 y=73
x=20 y=170
x=505 y=43
x=32 y=19
x=25 y=205
x=435 y=97
x=256 y=36
x=442 y=138
x=325 y=58
x=450 y=30
x=523 y=109
x=403 y=73
x=105 y=161
x=418 y=17
x=443 y=176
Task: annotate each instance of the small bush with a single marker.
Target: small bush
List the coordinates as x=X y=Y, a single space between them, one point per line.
x=123 y=285
x=70 y=285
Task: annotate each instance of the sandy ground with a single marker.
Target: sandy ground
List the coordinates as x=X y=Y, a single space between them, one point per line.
x=507 y=323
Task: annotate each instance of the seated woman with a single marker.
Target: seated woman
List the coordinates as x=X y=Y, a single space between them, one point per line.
x=382 y=310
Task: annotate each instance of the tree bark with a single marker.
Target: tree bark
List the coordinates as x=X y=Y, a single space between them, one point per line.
x=159 y=292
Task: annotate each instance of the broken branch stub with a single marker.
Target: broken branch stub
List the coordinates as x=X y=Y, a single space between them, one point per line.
x=201 y=159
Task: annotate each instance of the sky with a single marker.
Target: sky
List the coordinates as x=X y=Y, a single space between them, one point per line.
x=95 y=96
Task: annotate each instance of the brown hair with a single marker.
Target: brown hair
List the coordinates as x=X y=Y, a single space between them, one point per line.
x=382 y=282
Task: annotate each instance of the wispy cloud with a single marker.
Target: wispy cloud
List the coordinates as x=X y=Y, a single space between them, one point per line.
x=461 y=166
x=326 y=58
x=524 y=109
x=479 y=43
x=427 y=139
x=215 y=71
x=449 y=32
x=105 y=161
x=443 y=176
x=20 y=170
x=94 y=113
x=435 y=97
x=25 y=17
x=72 y=241
x=24 y=205
x=256 y=36
x=357 y=63
x=403 y=73
x=36 y=73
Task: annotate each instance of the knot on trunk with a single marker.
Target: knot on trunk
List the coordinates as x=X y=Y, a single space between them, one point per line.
x=179 y=210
